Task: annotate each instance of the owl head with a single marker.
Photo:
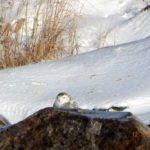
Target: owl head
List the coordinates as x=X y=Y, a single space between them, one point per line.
x=63 y=98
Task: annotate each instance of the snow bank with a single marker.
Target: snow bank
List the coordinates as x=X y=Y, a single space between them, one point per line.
x=116 y=75
x=106 y=23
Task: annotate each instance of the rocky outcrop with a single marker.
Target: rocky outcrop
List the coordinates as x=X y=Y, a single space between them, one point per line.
x=58 y=129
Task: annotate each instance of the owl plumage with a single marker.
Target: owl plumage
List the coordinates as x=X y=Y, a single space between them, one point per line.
x=64 y=100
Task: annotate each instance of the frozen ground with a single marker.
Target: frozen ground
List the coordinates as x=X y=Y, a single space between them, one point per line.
x=111 y=76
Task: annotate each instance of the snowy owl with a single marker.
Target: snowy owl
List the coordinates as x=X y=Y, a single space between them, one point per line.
x=64 y=100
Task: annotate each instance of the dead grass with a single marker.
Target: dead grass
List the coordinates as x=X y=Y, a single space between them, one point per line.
x=48 y=33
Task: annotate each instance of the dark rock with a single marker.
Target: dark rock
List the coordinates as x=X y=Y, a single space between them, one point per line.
x=146 y=8
x=58 y=129
x=116 y=108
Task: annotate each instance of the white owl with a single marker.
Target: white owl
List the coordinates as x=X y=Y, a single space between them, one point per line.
x=64 y=100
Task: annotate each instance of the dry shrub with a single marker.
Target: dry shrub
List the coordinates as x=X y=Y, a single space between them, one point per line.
x=48 y=33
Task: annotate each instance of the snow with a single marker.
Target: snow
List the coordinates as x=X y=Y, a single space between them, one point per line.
x=116 y=75
x=135 y=29
x=107 y=23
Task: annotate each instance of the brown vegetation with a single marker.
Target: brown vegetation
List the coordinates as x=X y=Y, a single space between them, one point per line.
x=48 y=33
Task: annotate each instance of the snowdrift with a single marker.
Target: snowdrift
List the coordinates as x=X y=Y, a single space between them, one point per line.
x=116 y=75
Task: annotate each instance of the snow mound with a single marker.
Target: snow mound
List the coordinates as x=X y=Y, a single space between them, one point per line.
x=116 y=75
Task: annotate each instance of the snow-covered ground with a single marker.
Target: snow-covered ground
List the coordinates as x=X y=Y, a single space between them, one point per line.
x=116 y=75
x=106 y=23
